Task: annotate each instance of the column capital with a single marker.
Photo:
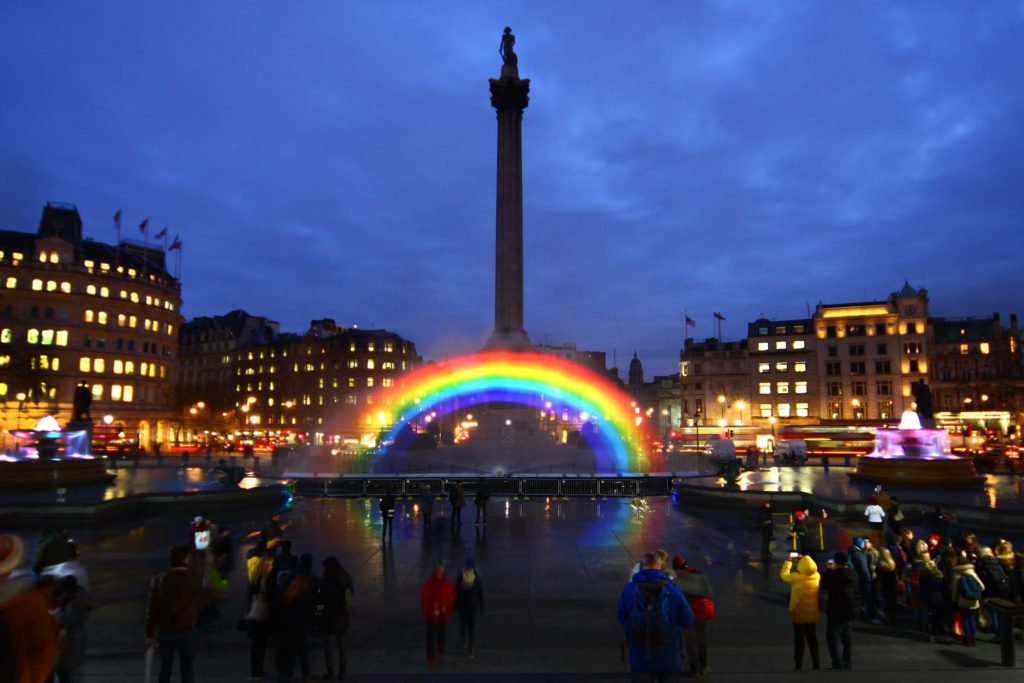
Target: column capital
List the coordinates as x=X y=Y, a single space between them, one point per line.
x=510 y=94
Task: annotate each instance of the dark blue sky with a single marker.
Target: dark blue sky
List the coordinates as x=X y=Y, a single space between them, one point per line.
x=338 y=159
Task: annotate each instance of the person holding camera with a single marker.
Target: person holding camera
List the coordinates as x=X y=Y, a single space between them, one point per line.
x=803 y=605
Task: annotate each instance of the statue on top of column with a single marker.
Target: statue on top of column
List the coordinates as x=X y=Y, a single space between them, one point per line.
x=509 y=61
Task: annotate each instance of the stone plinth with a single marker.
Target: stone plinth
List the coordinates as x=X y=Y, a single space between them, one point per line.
x=45 y=473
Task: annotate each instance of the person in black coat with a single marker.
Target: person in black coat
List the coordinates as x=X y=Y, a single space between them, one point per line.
x=469 y=601
x=840 y=586
x=766 y=525
x=483 y=494
x=336 y=592
x=294 y=621
x=387 y=515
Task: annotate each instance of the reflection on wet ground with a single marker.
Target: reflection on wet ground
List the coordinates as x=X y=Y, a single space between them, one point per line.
x=130 y=482
x=1002 y=491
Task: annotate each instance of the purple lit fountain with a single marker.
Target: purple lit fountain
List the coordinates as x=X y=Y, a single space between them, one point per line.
x=49 y=456
x=914 y=455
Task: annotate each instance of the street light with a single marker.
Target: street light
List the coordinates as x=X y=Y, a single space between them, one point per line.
x=857 y=415
x=721 y=404
x=741 y=405
x=21 y=396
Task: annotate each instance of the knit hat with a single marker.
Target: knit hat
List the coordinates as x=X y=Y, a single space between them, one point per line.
x=858 y=541
x=11 y=552
x=841 y=557
x=678 y=562
x=799 y=514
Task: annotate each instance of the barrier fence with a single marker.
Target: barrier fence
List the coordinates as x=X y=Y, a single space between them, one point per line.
x=362 y=487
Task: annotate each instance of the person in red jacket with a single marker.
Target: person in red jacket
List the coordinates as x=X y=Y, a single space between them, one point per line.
x=26 y=613
x=436 y=600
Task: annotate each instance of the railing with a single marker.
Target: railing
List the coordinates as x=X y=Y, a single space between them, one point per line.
x=511 y=486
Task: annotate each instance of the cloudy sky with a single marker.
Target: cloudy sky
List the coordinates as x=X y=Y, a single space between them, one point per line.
x=337 y=159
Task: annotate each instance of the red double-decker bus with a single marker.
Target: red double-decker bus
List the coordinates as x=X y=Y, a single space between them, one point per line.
x=831 y=439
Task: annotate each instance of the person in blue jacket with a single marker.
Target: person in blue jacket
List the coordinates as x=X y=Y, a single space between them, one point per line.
x=653 y=612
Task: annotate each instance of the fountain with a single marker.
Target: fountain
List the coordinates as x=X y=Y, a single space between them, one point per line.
x=915 y=455
x=49 y=456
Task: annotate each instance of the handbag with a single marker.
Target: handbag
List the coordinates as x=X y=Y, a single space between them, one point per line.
x=259 y=610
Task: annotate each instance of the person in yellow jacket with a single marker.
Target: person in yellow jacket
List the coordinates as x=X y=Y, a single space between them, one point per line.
x=803 y=605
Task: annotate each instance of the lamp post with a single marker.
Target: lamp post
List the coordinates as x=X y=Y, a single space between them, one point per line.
x=857 y=415
x=21 y=396
x=741 y=405
x=721 y=404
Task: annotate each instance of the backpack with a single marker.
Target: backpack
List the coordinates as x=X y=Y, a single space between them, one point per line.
x=650 y=624
x=996 y=581
x=8 y=660
x=703 y=608
x=969 y=589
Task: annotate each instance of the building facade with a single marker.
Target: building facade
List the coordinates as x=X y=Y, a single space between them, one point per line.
x=320 y=387
x=75 y=311
x=714 y=382
x=784 y=369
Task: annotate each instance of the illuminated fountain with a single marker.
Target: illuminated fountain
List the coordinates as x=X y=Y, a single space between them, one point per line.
x=914 y=455
x=49 y=456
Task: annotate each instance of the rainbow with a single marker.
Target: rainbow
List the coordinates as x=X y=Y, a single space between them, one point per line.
x=537 y=380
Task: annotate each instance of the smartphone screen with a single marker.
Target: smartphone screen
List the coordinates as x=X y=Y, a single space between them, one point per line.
x=202 y=540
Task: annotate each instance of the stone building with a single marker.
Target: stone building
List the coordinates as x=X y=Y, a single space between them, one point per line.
x=714 y=382
x=77 y=311
x=784 y=369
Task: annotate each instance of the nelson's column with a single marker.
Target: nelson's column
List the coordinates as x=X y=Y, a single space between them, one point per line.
x=509 y=97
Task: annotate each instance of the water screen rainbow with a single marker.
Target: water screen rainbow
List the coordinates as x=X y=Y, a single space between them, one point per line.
x=536 y=380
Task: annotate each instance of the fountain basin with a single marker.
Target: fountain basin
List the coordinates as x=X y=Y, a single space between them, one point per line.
x=915 y=456
x=44 y=473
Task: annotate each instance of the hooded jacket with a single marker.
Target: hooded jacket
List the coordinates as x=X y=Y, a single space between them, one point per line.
x=958 y=600
x=803 y=583
x=667 y=659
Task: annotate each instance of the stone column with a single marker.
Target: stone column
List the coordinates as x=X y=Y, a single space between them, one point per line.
x=509 y=97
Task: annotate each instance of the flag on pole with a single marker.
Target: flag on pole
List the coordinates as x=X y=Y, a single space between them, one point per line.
x=690 y=322
x=176 y=244
x=143 y=225
x=117 y=219
x=160 y=234
x=719 y=316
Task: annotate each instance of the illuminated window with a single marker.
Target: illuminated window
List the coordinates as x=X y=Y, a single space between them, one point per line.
x=800 y=367
x=352 y=346
x=42 y=257
x=115 y=392
x=122 y=319
x=353 y=363
x=54 y=257
x=84 y=364
x=370 y=364
x=762 y=346
x=369 y=381
x=5 y=360
x=371 y=347
x=51 y=285
x=149 y=300
x=351 y=399
x=89 y=264
x=764 y=387
x=118 y=367
x=984 y=347
x=781 y=367
x=3 y=388
x=387 y=382
x=799 y=344
x=6 y=335
x=135 y=297
x=800 y=387
x=65 y=287
x=128 y=393
x=170 y=329
x=780 y=345
x=132 y=321
x=101 y=317
x=124 y=293
x=90 y=289
x=782 y=387
x=37 y=285
x=99 y=365
x=783 y=409
x=97 y=391
x=802 y=409
x=389 y=347
x=62 y=338
x=32 y=336
x=90 y=315
x=143 y=367
x=351 y=381
x=11 y=282
x=104 y=292
x=964 y=349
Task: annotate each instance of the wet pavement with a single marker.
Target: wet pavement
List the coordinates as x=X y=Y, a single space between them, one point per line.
x=552 y=571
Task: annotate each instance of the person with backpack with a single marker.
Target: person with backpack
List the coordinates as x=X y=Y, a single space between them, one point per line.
x=284 y=566
x=861 y=564
x=967 y=593
x=843 y=604
x=175 y=598
x=653 y=611
x=997 y=583
x=333 y=614
x=697 y=591
x=483 y=494
x=387 y=516
x=436 y=600
x=294 y=620
x=469 y=601
x=803 y=605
